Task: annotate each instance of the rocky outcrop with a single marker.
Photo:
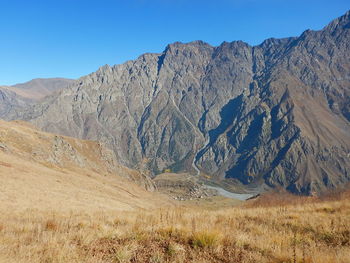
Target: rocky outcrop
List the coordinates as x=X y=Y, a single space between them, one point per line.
x=274 y=114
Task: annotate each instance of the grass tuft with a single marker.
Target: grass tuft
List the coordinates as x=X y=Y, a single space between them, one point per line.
x=204 y=239
x=51 y=225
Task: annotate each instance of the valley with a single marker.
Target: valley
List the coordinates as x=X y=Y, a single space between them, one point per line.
x=68 y=200
x=264 y=116
x=234 y=153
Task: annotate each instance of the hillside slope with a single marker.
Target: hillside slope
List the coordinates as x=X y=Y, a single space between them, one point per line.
x=45 y=171
x=274 y=114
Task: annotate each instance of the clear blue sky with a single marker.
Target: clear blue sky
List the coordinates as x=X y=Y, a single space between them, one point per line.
x=71 y=38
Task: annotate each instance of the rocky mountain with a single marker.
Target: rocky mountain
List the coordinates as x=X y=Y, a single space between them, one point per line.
x=18 y=97
x=276 y=114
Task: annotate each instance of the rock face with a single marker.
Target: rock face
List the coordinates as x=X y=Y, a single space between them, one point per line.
x=275 y=114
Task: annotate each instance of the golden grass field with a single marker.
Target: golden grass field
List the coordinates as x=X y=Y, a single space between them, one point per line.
x=312 y=231
x=45 y=171
x=56 y=209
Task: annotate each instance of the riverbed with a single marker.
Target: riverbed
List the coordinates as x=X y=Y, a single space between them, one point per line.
x=228 y=194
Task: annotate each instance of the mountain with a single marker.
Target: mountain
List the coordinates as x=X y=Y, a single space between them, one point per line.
x=10 y=101
x=39 y=88
x=276 y=114
x=45 y=171
x=17 y=97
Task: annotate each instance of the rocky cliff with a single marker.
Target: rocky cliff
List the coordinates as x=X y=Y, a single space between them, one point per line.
x=275 y=114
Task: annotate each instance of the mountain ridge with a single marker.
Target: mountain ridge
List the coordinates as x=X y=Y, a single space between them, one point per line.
x=41 y=87
x=235 y=112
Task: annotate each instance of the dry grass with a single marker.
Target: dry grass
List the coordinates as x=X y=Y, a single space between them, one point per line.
x=281 y=197
x=312 y=232
x=44 y=171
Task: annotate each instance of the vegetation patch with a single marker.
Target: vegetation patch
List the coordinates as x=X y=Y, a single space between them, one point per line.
x=294 y=233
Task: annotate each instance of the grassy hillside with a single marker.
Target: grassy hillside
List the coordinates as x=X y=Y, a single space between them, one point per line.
x=45 y=171
x=315 y=231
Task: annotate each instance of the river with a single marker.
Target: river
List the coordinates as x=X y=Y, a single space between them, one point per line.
x=228 y=194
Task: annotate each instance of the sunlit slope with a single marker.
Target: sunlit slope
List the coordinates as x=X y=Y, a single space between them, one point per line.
x=45 y=171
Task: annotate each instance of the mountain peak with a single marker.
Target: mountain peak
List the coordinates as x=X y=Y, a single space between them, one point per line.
x=178 y=45
x=339 y=23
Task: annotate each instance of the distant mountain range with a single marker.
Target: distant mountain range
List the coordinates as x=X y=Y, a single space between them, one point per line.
x=39 y=88
x=19 y=96
x=276 y=114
